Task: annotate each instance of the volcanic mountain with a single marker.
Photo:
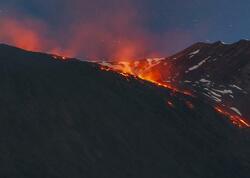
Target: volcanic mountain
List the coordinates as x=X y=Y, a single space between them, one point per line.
x=218 y=72
x=63 y=117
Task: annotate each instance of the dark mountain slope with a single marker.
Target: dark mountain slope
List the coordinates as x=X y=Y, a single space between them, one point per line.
x=220 y=72
x=225 y=62
x=71 y=119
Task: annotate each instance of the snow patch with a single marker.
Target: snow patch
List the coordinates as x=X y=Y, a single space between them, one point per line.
x=224 y=91
x=215 y=94
x=194 y=53
x=236 y=110
x=106 y=64
x=218 y=100
x=235 y=86
x=199 y=64
x=205 y=80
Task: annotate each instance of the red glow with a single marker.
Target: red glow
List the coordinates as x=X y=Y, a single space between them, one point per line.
x=189 y=105
x=127 y=70
x=22 y=34
x=61 y=58
x=151 y=76
x=235 y=119
x=118 y=33
x=120 y=37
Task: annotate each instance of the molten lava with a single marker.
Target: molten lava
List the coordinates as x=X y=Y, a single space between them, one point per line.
x=61 y=58
x=154 y=77
x=235 y=119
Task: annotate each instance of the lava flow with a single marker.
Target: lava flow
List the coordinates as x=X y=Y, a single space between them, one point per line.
x=235 y=119
x=153 y=77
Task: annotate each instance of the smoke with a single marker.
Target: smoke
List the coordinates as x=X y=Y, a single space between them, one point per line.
x=25 y=34
x=87 y=29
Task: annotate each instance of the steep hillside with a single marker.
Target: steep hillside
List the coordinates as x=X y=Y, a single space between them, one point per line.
x=219 y=72
x=65 y=118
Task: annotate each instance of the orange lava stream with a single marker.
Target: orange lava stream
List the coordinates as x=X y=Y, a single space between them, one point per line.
x=127 y=72
x=235 y=119
x=61 y=58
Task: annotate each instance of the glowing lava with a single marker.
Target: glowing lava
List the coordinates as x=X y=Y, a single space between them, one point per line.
x=61 y=58
x=153 y=76
x=235 y=119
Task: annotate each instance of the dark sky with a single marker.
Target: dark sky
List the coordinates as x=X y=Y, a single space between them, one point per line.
x=121 y=28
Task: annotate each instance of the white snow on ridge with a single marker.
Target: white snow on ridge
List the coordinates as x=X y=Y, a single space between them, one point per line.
x=235 y=86
x=216 y=99
x=223 y=42
x=199 y=64
x=224 y=91
x=104 y=63
x=205 y=80
x=216 y=94
x=236 y=110
x=212 y=95
x=194 y=53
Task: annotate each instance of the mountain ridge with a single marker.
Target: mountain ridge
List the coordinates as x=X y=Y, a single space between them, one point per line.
x=217 y=71
x=68 y=118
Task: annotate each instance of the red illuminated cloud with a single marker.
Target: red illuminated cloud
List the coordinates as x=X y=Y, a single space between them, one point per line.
x=88 y=29
x=22 y=33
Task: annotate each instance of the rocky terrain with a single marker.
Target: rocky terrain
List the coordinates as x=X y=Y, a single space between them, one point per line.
x=219 y=72
x=67 y=118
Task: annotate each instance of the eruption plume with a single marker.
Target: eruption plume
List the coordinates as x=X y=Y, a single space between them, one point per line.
x=94 y=30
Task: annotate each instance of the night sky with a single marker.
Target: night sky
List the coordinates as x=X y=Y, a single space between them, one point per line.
x=99 y=29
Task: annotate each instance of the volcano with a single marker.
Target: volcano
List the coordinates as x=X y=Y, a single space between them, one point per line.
x=62 y=117
x=218 y=72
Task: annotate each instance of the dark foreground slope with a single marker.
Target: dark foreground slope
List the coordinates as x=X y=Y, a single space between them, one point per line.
x=70 y=119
